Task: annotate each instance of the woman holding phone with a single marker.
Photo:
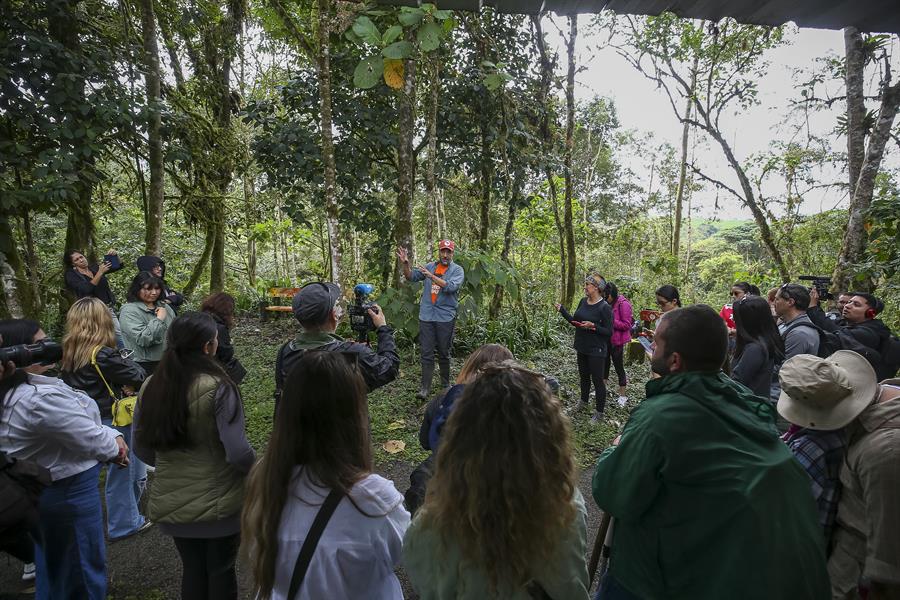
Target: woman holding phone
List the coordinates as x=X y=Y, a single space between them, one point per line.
x=593 y=321
x=89 y=281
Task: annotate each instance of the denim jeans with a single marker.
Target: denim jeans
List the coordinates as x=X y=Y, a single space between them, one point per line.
x=124 y=488
x=70 y=553
x=611 y=589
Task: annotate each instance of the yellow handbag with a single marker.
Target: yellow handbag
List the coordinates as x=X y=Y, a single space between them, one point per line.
x=122 y=408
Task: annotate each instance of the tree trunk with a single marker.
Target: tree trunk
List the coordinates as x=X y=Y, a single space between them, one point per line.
x=332 y=222
x=854 y=245
x=10 y=267
x=547 y=145
x=512 y=192
x=856 y=105
x=32 y=267
x=570 y=143
x=250 y=215
x=430 y=177
x=484 y=205
x=406 y=115
x=154 y=215
x=217 y=259
x=682 y=174
x=201 y=263
x=80 y=225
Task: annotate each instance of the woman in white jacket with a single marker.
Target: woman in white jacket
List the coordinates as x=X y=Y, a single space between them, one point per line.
x=45 y=421
x=320 y=454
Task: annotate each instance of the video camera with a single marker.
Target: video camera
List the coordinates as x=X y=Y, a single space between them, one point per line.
x=821 y=284
x=360 y=321
x=45 y=352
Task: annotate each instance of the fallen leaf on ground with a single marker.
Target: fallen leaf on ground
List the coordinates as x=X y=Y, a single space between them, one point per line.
x=397 y=425
x=394 y=446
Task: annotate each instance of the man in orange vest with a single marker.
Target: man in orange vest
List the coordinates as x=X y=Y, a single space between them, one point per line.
x=437 y=310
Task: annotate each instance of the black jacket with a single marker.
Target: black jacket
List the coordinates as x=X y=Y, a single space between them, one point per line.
x=81 y=286
x=872 y=333
x=145 y=263
x=118 y=371
x=592 y=342
x=225 y=353
x=377 y=368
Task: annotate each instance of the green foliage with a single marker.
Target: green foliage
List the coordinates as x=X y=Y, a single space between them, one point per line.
x=429 y=26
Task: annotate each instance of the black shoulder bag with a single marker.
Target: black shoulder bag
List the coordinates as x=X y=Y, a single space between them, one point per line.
x=312 y=540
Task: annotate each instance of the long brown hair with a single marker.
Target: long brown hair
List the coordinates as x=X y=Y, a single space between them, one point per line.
x=88 y=325
x=507 y=444
x=482 y=356
x=220 y=305
x=323 y=426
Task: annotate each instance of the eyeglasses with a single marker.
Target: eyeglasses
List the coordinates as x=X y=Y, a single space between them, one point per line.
x=738 y=293
x=663 y=302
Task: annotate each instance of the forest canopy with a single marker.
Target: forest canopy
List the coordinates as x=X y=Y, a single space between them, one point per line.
x=259 y=144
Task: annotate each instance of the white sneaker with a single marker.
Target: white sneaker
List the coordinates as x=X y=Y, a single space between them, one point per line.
x=28 y=572
x=622 y=400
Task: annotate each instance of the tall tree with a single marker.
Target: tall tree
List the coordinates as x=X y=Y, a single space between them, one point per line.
x=864 y=159
x=730 y=63
x=323 y=63
x=682 y=174
x=406 y=162
x=569 y=178
x=548 y=144
x=153 y=217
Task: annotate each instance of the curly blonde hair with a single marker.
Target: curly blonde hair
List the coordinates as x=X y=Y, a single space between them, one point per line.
x=88 y=325
x=505 y=477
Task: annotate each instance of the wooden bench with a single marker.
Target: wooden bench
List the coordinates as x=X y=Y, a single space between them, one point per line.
x=276 y=306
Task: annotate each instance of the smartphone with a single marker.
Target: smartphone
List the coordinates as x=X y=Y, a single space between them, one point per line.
x=113 y=259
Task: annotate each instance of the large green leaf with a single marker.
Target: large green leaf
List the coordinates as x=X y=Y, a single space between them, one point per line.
x=366 y=29
x=397 y=50
x=429 y=36
x=410 y=17
x=391 y=34
x=368 y=72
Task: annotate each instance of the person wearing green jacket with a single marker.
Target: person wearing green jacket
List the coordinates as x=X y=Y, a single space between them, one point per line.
x=707 y=500
x=145 y=321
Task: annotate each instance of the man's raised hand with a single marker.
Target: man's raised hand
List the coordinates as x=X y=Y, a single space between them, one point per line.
x=402 y=255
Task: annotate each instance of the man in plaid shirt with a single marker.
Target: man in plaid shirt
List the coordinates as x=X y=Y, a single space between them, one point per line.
x=820 y=397
x=821 y=453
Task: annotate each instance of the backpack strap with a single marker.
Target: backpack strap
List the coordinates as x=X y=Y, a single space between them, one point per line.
x=94 y=353
x=312 y=540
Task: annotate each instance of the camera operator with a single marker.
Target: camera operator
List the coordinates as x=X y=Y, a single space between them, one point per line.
x=317 y=306
x=859 y=322
x=45 y=421
x=837 y=312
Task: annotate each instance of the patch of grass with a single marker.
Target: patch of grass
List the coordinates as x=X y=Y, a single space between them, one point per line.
x=395 y=412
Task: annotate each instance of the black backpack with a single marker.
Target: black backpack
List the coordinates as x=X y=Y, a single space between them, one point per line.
x=21 y=484
x=832 y=341
x=890 y=356
x=21 y=481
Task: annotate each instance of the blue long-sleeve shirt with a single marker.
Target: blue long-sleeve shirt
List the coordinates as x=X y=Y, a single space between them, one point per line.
x=444 y=309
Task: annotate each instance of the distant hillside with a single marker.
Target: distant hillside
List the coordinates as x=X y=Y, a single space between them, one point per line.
x=705 y=228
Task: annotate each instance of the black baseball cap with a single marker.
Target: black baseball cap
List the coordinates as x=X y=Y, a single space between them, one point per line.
x=314 y=301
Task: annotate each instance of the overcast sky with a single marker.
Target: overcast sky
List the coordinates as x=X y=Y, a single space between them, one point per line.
x=643 y=107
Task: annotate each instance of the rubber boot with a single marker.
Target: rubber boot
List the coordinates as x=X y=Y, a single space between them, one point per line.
x=425 y=387
x=445 y=373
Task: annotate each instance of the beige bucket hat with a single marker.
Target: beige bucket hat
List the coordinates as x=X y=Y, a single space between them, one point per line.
x=826 y=393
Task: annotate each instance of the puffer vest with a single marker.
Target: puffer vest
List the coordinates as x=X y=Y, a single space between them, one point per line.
x=196 y=483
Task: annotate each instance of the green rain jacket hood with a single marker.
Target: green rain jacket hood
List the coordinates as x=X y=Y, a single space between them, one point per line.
x=708 y=501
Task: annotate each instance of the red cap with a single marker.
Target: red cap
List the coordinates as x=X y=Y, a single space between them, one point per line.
x=446 y=244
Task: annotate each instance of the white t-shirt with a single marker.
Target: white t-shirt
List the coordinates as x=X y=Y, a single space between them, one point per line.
x=357 y=554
